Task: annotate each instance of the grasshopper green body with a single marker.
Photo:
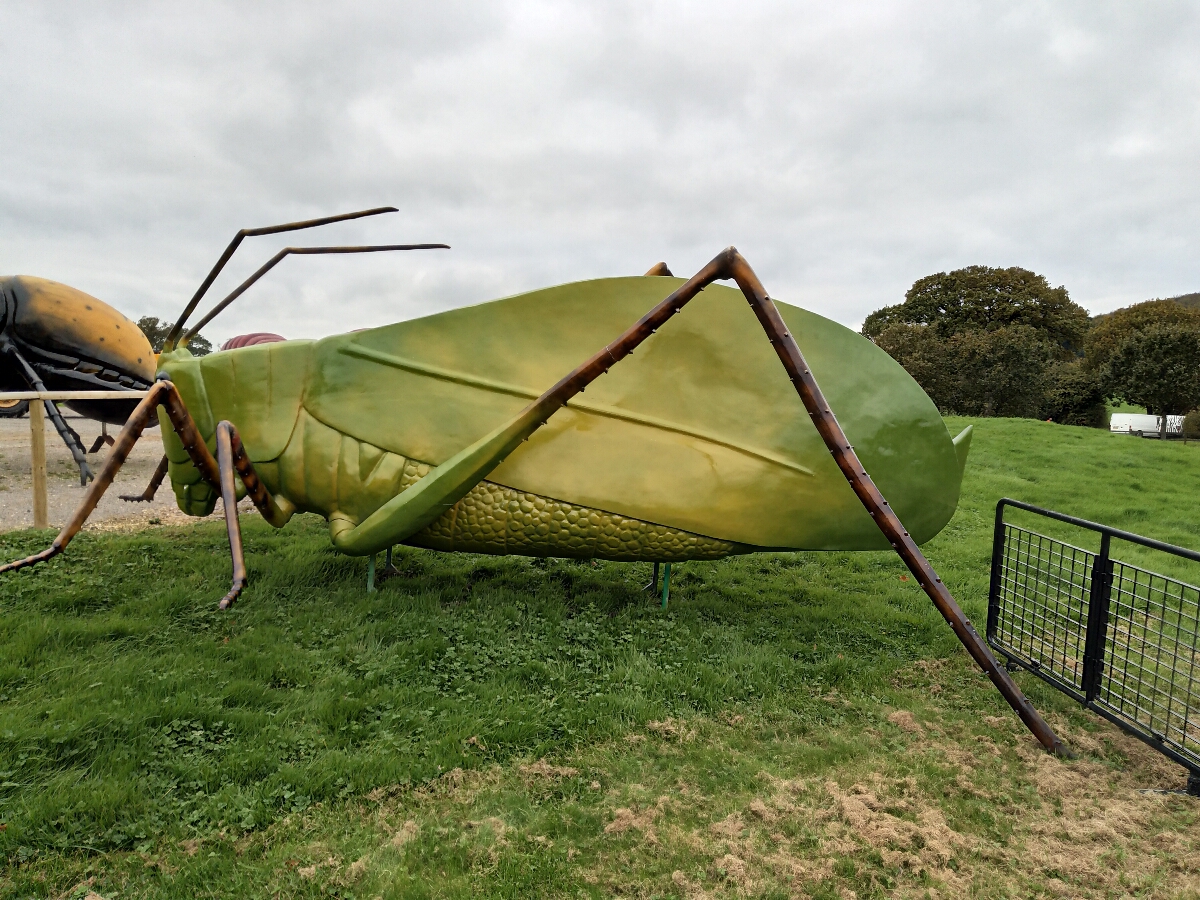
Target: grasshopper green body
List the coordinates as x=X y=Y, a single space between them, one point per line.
x=696 y=447
x=470 y=430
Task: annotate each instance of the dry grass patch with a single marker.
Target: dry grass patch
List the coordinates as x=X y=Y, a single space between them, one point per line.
x=938 y=815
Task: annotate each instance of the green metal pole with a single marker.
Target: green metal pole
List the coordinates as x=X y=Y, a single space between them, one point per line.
x=666 y=592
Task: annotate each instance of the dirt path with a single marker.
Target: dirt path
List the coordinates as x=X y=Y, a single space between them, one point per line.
x=16 y=487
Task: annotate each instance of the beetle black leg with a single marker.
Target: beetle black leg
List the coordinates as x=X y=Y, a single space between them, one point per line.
x=68 y=435
x=71 y=438
x=152 y=488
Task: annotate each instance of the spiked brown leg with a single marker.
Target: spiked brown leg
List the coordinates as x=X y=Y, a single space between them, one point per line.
x=732 y=265
x=255 y=489
x=152 y=488
x=162 y=394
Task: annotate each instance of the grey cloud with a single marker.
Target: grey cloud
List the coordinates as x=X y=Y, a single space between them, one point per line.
x=846 y=149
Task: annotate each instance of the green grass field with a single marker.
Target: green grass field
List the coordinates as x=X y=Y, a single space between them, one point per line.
x=794 y=724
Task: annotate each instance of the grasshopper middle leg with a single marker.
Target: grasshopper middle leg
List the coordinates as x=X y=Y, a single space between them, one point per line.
x=232 y=459
x=156 y=481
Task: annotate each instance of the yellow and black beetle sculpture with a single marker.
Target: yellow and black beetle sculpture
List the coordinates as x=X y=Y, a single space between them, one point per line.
x=57 y=338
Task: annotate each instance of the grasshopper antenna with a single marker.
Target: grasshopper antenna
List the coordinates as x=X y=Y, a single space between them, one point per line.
x=296 y=251
x=177 y=329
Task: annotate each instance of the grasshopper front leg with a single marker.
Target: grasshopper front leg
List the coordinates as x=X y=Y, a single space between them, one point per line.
x=220 y=476
x=162 y=394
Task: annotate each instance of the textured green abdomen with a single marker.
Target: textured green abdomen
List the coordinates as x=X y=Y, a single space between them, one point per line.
x=497 y=519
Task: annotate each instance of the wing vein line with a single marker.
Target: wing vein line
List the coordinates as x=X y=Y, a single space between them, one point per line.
x=610 y=412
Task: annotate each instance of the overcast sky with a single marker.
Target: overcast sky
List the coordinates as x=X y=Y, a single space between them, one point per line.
x=846 y=149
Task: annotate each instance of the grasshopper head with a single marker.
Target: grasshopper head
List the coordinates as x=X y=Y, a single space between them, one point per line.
x=194 y=495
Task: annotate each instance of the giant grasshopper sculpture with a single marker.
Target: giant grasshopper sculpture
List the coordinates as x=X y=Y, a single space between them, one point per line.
x=469 y=430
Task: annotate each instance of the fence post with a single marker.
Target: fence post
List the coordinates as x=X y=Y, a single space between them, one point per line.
x=998 y=538
x=1097 y=621
x=37 y=452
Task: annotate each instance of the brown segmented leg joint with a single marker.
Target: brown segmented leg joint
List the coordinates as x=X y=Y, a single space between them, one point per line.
x=255 y=489
x=231 y=458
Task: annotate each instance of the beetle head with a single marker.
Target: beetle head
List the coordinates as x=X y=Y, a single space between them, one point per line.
x=48 y=318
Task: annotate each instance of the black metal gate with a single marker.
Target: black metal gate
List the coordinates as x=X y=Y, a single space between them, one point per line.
x=1121 y=640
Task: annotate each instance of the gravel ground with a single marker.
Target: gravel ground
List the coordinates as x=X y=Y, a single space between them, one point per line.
x=16 y=484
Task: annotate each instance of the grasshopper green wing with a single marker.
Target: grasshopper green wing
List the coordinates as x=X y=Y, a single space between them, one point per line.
x=699 y=430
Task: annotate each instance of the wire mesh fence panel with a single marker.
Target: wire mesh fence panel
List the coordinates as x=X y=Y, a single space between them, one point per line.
x=1044 y=584
x=1121 y=639
x=1151 y=675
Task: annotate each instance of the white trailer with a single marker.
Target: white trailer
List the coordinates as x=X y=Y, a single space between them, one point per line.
x=1144 y=425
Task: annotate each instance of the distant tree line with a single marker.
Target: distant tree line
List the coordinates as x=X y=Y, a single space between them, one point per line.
x=1003 y=342
x=156 y=331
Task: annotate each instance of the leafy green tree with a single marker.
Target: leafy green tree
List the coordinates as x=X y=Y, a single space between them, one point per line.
x=1158 y=367
x=1110 y=332
x=1075 y=395
x=156 y=331
x=974 y=373
x=1191 y=425
x=981 y=298
x=993 y=342
x=1001 y=372
x=923 y=354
